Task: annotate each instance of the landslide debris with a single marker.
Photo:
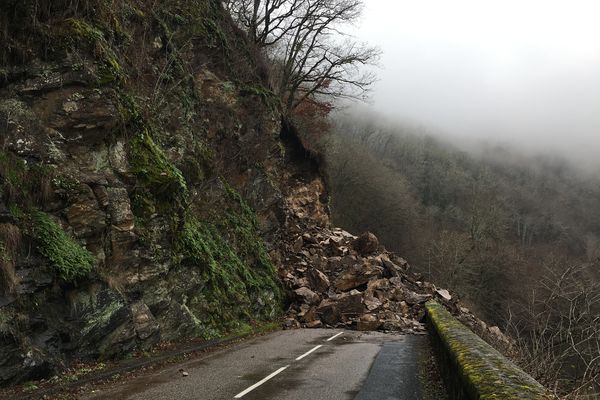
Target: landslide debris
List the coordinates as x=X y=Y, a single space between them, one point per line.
x=343 y=281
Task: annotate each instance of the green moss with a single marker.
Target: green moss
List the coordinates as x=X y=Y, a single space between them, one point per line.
x=68 y=259
x=240 y=219
x=80 y=31
x=241 y=284
x=235 y=292
x=484 y=372
x=154 y=170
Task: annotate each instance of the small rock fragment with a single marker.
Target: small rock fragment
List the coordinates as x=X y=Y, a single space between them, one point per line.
x=444 y=294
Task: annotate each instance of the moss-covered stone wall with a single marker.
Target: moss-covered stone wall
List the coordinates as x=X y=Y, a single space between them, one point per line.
x=472 y=368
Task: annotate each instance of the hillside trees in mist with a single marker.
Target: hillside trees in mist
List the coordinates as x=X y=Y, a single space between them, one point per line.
x=312 y=60
x=489 y=224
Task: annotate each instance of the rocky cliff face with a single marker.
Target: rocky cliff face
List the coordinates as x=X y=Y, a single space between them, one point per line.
x=143 y=180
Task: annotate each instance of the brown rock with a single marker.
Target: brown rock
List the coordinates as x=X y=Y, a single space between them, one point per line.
x=291 y=323
x=368 y=322
x=307 y=295
x=372 y=303
x=391 y=269
x=334 y=263
x=318 y=280
x=298 y=243
x=351 y=280
x=329 y=312
x=357 y=276
x=310 y=315
x=351 y=303
x=314 y=324
x=86 y=218
x=366 y=243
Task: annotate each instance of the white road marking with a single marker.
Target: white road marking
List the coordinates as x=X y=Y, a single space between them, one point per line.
x=257 y=384
x=308 y=352
x=280 y=370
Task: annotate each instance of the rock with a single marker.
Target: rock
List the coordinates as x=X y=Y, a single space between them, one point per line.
x=318 y=280
x=307 y=295
x=291 y=323
x=298 y=243
x=390 y=269
x=334 y=263
x=86 y=218
x=415 y=298
x=368 y=322
x=308 y=238
x=350 y=280
x=314 y=324
x=144 y=323
x=357 y=276
x=351 y=303
x=309 y=315
x=366 y=243
x=329 y=312
x=372 y=303
x=444 y=294
x=396 y=281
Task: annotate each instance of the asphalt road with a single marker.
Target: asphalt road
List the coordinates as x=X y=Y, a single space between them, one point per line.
x=315 y=364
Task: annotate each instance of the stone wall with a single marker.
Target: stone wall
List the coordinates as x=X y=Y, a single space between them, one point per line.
x=472 y=368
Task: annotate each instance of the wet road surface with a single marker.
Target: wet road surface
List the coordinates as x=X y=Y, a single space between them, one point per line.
x=315 y=364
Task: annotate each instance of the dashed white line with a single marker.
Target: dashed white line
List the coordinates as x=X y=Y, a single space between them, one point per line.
x=334 y=336
x=280 y=370
x=257 y=384
x=308 y=352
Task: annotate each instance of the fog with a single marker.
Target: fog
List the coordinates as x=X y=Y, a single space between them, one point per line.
x=522 y=72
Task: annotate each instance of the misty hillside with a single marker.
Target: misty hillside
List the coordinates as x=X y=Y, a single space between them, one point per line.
x=488 y=223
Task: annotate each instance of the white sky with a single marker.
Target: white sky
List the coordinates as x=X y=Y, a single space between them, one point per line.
x=511 y=70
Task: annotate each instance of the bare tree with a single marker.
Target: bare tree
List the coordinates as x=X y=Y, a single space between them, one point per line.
x=267 y=21
x=559 y=332
x=313 y=59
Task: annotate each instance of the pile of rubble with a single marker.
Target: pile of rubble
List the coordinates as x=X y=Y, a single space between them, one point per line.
x=340 y=280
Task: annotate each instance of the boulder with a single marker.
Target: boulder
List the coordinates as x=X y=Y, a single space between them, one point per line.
x=329 y=312
x=318 y=280
x=351 y=303
x=357 y=276
x=307 y=295
x=351 y=280
x=368 y=322
x=366 y=243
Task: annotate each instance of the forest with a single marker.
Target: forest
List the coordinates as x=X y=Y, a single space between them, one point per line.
x=516 y=236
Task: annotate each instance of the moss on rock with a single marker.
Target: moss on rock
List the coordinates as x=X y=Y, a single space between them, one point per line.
x=68 y=259
x=240 y=283
x=484 y=373
x=154 y=169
